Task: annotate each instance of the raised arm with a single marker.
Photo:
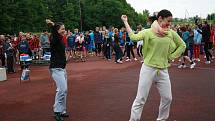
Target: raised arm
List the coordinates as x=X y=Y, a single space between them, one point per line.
x=134 y=37
x=125 y=21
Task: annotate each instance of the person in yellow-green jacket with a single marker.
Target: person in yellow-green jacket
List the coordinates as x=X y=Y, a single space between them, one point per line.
x=161 y=45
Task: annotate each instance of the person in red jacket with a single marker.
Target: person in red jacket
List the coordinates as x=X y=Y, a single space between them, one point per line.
x=34 y=45
x=2 y=56
x=212 y=31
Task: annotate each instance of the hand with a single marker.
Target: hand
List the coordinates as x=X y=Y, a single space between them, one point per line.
x=124 y=18
x=48 y=21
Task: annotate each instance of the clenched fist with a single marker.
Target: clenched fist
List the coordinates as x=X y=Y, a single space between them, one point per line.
x=124 y=18
x=48 y=21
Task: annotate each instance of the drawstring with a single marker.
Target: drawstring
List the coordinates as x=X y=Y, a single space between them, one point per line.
x=158 y=72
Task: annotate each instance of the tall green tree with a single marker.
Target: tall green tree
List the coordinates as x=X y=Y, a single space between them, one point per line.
x=30 y=15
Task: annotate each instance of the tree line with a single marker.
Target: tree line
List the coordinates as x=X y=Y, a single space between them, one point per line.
x=30 y=15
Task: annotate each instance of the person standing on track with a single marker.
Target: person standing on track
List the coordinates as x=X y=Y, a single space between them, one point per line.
x=161 y=45
x=185 y=56
x=206 y=38
x=57 y=68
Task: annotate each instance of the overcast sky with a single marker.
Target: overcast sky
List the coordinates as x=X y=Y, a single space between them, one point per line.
x=179 y=8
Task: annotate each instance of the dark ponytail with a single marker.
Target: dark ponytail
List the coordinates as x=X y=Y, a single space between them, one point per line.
x=152 y=18
x=57 y=25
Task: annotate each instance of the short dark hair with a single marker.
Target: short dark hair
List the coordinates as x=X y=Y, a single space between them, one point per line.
x=164 y=13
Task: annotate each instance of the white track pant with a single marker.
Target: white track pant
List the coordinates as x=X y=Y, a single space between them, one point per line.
x=60 y=77
x=162 y=81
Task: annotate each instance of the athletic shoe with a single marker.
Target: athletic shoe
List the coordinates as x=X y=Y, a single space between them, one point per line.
x=58 y=116
x=135 y=59
x=128 y=60
x=192 y=65
x=64 y=114
x=207 y=62
x=119 y=61
x=180 y=66
x=184 y=66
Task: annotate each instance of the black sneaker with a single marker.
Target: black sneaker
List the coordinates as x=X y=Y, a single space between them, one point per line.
x=58 y=116
x=65 y=114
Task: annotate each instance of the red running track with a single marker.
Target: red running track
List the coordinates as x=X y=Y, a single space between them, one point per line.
x=103 y=91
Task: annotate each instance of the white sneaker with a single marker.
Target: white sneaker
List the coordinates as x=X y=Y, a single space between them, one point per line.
x=207 y=62
x=128 y=60
x=135 y=59
x=180 y=66
x=119 y=61
x=192 y=65
x=198 y=59
x=184 y=66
